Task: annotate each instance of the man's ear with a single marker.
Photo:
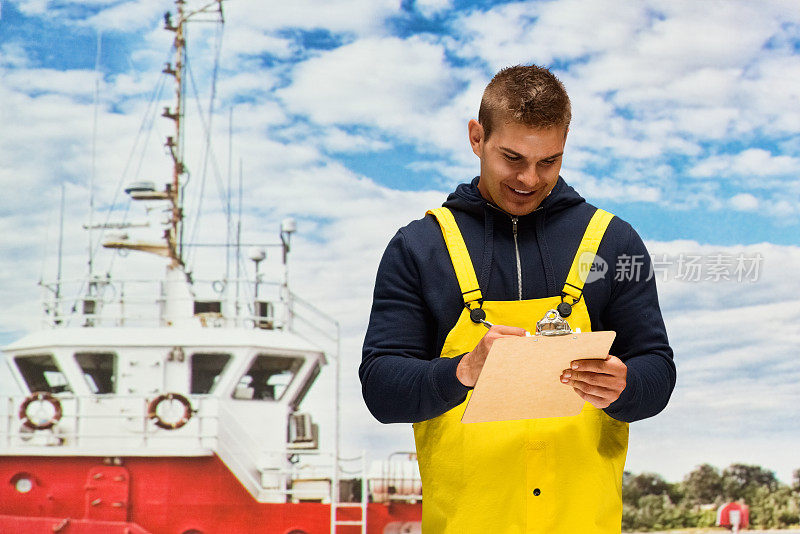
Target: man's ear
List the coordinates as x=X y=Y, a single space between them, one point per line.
x=475 y=130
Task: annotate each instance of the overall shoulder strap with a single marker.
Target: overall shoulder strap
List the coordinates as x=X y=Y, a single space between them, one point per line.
x=587 y=250
x=465 y=273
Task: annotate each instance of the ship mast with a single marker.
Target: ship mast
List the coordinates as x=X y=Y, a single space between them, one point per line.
x=172 y=247
x=175 y=144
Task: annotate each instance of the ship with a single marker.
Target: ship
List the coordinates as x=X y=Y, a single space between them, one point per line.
x=172 y=404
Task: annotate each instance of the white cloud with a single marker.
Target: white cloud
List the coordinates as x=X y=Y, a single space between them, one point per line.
x=372 y=82
x=127 y=16
x=700 y=34
x=705 y=122
x=541 y=32
x=337 y=140
x=71 y=83
x=744 y=202
x=356 y=16
x=401 y=86
x=593 y=188
x=33 y=7
x=783 y=208
x=430 y=8
x=13 y=55
x=753 y=162
x=252 y=42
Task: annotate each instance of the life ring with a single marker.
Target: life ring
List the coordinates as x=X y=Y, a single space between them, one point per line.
x=40 y=396
x=152 y=411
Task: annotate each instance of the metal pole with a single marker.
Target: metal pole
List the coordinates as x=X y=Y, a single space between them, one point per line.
x=364 y=490
x=336 y=447
x=239 y=246
x=228 y=214
x=60 y=255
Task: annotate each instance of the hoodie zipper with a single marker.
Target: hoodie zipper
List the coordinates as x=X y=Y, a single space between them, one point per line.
x=514 y=220
x=519 y=263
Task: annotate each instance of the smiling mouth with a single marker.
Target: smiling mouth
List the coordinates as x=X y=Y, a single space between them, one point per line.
x=522 y=192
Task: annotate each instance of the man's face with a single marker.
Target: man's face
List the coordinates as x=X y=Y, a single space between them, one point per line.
x=519 y=164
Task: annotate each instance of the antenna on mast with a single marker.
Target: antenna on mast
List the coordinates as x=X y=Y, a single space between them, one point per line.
x=94 y=150
x=60 y=255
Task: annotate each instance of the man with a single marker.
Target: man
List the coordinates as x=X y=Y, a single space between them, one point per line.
x=507 y=247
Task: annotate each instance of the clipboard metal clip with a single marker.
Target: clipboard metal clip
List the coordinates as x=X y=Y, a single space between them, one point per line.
x=552 y=324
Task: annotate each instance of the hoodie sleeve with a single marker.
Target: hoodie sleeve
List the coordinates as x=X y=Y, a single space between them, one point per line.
x=401 y=379
x=641 y=342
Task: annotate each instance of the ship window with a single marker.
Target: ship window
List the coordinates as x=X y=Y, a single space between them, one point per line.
x=98 y=370
x=206 y=370
x=301 y=394
x=268 y=377
x=41 y=373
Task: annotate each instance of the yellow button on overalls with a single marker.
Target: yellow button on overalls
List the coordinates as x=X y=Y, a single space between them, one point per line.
x=549 y=476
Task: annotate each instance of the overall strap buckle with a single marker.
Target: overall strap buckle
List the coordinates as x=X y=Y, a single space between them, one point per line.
x=584 y=258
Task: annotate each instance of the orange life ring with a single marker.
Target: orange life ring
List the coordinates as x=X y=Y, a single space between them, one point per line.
x=152 y=411
x=39 y=396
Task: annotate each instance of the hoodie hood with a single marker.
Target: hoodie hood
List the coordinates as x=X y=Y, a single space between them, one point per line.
x=468 y=198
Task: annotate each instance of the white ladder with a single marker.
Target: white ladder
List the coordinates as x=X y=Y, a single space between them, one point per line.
x=336 y=505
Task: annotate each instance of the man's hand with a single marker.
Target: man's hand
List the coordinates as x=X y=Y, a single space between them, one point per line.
x=598 y=382
x=471 y=364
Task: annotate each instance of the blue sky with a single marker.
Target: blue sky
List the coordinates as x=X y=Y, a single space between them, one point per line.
x=694 y=126
x=352 y=118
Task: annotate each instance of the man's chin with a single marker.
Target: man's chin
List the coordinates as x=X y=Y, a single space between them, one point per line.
x=520 y=210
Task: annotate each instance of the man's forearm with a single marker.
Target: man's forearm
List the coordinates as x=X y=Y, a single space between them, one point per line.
x=400 y=389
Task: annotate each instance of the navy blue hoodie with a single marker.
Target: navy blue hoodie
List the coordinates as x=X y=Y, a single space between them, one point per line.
x=417 y=301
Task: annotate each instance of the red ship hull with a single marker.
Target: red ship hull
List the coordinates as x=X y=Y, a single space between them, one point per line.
x=198 y=495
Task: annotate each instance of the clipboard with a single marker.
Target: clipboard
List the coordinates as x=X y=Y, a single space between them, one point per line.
x=520 y=378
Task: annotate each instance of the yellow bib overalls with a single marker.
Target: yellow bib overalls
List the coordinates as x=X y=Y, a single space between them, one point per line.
x=549 y=476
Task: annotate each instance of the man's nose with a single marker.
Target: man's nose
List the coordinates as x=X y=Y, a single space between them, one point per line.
x=529 y=176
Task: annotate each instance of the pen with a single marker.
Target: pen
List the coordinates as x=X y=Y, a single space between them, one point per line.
x=487 y=324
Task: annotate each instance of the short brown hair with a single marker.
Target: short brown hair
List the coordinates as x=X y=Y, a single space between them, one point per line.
x=526 y=94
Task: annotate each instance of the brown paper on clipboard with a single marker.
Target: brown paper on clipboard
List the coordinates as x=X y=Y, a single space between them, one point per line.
x=520 y=378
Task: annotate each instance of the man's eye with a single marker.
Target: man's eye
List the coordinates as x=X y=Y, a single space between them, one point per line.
x=510 y=157
x=547 y=162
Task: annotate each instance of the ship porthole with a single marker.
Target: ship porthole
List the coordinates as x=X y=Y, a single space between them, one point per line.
x=295 y=531
x=192 y=531
x=22 y=482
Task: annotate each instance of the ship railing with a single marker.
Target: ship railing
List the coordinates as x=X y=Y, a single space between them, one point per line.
x=281 y=475
x=396 y=479
x=313 y=324
x=144 y=302
x=267 y=472
x=101 y=423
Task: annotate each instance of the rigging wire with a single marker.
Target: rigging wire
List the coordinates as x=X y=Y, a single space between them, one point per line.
x=93 y=170
x=45 y=245
x=208 y=155
x=146 y=125
x=145 y=130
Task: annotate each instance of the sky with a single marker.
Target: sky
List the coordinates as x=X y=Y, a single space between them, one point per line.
x=350 y=116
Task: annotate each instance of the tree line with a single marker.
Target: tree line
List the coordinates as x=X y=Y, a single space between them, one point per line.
x=651 y=503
